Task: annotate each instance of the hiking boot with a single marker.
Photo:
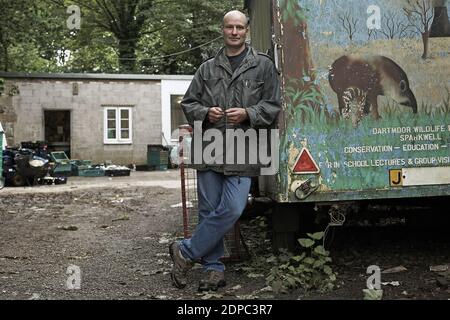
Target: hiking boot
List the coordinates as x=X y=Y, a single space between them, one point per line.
x=213 y=280
x=181 y=266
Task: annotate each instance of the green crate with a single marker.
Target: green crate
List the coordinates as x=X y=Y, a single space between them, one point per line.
x=79 y=164
x=59 y=157
x=63 y=165
x=91 y=171
x=157 y=157
x=63 y=169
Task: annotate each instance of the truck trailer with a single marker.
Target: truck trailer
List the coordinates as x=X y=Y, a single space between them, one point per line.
x=366 y=103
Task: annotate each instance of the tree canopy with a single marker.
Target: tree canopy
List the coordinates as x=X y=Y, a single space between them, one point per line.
x=114 y=36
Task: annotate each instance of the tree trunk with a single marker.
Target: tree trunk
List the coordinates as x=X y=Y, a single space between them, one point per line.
x=6 y=59
x=441 y=23
x=425 y=38
x=4 y=46
x=196 y=54
x=127 y=56
x=296 y=53
x=296 y=50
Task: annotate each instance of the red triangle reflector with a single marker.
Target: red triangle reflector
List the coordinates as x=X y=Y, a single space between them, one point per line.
x=305 y=163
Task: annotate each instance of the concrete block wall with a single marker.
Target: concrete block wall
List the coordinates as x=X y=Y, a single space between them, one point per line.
x=8 y=117
x=87 y=112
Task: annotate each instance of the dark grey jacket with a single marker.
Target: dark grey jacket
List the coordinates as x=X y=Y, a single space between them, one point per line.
x=254 y=85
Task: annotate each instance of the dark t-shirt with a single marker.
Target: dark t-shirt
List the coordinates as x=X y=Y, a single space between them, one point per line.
x=235 y=61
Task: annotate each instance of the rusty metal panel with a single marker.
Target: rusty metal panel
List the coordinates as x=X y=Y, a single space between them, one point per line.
x=366 y=91
x=260 y=27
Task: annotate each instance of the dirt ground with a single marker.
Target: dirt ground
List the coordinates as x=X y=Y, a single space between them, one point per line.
x=117 y=230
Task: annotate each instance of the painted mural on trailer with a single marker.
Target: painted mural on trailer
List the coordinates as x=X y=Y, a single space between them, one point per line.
x=373 y=93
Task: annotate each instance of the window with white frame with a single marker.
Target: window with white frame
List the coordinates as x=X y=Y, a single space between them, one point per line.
x=118 y=125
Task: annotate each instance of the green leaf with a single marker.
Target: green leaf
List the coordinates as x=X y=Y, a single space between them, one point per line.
x=327 y=270
x=320 y=250
x=372 y=294
x=318 y=263
x=309 y=260
x=299 y=258
x=306 y=243
x=284 y=266
x=316 y=236
x=291 y=282
x=277 y=286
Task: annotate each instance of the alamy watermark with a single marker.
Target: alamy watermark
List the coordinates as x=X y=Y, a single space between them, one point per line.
x=251 y=147
x=74 y=280
x=374 y=20
x=73 y=22
x=374 y=281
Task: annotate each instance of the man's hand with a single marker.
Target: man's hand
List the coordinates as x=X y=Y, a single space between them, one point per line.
x=236 y=115
x=215 y=114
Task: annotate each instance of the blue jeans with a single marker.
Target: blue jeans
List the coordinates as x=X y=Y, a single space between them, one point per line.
x=221 y=200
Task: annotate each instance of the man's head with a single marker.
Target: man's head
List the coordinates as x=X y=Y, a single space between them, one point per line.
x=234 y=30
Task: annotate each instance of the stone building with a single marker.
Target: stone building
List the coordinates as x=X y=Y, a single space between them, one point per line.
x=93 y=116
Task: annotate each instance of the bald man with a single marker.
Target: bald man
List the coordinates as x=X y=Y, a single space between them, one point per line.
x=238 y=89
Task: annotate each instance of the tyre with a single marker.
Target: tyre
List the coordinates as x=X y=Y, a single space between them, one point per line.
x=18 y=180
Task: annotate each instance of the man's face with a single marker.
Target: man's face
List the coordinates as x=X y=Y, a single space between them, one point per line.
x=234 y=31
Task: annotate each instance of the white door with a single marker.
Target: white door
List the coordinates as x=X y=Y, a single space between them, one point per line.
x=172 y=91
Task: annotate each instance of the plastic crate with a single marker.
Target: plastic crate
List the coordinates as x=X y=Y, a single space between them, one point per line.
x=63 y=165
x=59 y=156
x=157 y=157
x=91 y=171
x=81 y=162
x=76 y=164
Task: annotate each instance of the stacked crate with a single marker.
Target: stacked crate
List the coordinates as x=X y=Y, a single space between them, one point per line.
x=63 y=166
x=157 y=157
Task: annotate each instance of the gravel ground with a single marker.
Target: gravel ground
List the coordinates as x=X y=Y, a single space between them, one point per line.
x=116 y=231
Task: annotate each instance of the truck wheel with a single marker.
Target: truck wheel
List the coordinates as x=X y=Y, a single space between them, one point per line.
x=18 y=181
x=291 y=221
x=285 y=223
